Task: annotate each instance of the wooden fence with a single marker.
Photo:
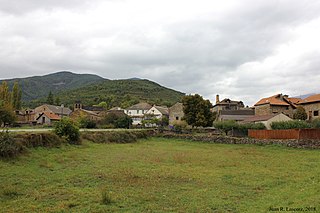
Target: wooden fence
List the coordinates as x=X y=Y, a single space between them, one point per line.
x=285 y=134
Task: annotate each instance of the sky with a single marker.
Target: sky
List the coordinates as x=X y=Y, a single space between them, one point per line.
x=243 y=50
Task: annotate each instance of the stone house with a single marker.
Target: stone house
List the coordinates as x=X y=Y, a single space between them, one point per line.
x=231 y=110
x=157 y=112
x=176 y=113
x=26 y=116
x=77 y=114
x=227 y=104
x=61 y=111
x=276 y=104
x=137 y=111
x=267 y=119
x=312 y=106
x=47 y=118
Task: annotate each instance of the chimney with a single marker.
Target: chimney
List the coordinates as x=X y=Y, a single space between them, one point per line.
x=217 y=99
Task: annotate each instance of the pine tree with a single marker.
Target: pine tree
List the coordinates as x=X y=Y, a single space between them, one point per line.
x=5 y=95
x=16 y=96
x=58 y=102
x=50 y=98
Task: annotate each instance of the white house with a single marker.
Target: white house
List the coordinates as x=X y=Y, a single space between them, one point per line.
x=158 y=112
x=137 y=111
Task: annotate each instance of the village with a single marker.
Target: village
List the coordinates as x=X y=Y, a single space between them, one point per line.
x=266 y=110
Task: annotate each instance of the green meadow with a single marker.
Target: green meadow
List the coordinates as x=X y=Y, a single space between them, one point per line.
x=161 y=175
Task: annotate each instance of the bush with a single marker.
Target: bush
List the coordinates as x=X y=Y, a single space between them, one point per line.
x=44 y=139
x=67 y=129
x=114 y=137
x=87 y=123
x=225 y=126
x=300 y=114
x=229 y=125
x=294 y=124
x=315 y=123
x=8 y=146
x=245 y=127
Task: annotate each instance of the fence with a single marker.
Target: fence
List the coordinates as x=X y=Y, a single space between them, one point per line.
x=285 y=134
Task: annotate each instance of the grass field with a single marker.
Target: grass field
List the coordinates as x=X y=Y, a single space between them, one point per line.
x=161 y=175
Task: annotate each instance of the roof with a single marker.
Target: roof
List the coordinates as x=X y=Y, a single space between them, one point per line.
x=259 y=118
x=59 y=109
x=237 y=112
x=235 y=117
x=295 y=100
x=50 y=115
x=227 y=101
x=140 y=106
x=164 y=110
x=273 y=100
x=311 y=99
x=93 y=108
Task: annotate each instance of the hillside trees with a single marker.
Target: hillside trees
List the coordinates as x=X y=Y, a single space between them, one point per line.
x=197 y=111
x=50 y=98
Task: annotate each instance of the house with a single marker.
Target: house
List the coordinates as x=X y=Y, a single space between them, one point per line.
x=157 y=112
x=82 y=113
x=26 y=116
x=312 y=106
x=267 y=119
x=227 y=104
x=93 y=113
x=137 y=111
x=47 y=118
x=176 y=113
x=276 y=104
x=231 y=110
x=57 y=110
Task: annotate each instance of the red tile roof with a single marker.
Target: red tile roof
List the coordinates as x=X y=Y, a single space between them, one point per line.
x=311 y=99
x=273 y=100
x=52 y=116
x=295 y=100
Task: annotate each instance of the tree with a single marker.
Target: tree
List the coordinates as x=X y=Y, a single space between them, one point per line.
x=300 y=114
x=197 y=111
x=7 y=115
x=16 y=96
x=57 y=101
x=5 y=95
x=50 y=98
x=117 y=120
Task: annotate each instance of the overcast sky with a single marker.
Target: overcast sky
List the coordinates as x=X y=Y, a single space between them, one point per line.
x=244 y=50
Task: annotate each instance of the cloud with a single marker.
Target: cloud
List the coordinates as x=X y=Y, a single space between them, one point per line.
x=242 y=50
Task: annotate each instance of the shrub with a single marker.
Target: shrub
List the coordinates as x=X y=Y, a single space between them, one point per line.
x=245 y=127
x=300 y=114
x=315 y=123
x=8 y=146
x=294 y=124
x=114 y=137
x=87 y=123
x=44 y=139
x=67 y=129
x=225 y=126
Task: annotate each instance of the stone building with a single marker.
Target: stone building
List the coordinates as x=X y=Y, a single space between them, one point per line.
x=61 y=111
x=276 y=104
x=312 y=106
x=231 y=110
x=176 y=113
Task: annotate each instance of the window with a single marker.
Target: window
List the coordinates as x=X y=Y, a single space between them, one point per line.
x=316 y=113
x=177 y=118
x=138 y=111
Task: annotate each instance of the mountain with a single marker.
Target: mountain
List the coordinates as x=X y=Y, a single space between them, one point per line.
x=122 y=93
x=92 y=90
x=305 y=95
x=40 y=86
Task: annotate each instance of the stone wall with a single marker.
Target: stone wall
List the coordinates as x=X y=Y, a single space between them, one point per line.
x=267 y=109
x=310 y=144
x=310 y=108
